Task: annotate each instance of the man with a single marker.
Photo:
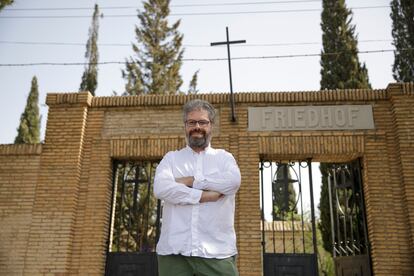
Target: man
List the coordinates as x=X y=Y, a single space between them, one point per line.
x=198 y=186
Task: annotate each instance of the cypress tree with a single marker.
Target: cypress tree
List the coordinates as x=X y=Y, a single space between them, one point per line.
x=90 y=75
x=340 y=69
x=280 y=210
x=402 y=15
x=158 y=53
x=339 y=61
x=28 y=131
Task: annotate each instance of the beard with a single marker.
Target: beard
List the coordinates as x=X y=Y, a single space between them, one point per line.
x=198 y=142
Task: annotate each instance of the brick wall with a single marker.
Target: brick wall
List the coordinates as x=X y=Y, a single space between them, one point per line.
x=55 y=198
x=19 y=165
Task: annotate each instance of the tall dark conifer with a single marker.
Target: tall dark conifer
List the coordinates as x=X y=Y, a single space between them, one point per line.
x=28 y=131
x=155 y=68
x=90 y=75
x=340 y=69
x=340 y=63
x=283 y=208
x=402 y=15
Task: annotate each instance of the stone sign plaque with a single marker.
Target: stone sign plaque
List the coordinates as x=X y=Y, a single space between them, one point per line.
x=133 y=122
x=327 y=117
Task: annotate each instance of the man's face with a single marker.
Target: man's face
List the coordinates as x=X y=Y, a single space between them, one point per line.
x=198 y=129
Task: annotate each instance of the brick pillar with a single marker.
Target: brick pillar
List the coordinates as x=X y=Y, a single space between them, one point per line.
x=379 y=204
x=248 y=205
x=56 y=196
x=402 y=100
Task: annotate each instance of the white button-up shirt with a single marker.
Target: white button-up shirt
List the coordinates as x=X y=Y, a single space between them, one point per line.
x=191 y=228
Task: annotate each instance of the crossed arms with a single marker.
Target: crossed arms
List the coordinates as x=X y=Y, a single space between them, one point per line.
x=206 y=196
x=199 y=188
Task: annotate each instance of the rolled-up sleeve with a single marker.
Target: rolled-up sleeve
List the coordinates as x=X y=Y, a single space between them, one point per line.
x=167 y=189
x=225 y=181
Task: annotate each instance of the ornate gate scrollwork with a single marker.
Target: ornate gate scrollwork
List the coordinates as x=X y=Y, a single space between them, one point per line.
x=350 y=246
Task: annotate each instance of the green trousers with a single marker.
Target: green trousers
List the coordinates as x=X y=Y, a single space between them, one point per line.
x=178 y=265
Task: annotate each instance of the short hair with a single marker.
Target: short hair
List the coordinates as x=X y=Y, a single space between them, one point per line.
x=198 y=104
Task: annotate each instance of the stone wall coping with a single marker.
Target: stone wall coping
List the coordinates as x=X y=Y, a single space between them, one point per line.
x=299 y=97
x=245 y=97
x=357 y=95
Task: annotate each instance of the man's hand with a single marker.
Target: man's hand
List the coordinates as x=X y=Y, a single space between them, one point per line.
x=210 y=196
x=187 y=180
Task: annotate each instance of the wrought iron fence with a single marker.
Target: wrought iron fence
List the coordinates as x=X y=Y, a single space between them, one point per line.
x=346 y=202
x=136 y=212
x=290 y=227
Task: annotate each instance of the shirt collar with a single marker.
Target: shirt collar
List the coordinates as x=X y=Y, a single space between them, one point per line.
x=206 y=150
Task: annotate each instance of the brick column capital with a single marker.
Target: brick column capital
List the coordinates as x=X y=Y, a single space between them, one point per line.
x=395 y=89
x=76 y=98
x=400 y=88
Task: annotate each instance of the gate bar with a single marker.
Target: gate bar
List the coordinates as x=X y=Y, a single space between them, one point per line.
x=273 y=210
x=356 y=245
x=315 y=248
x=345 y=213
x=338 y=225
x=262 y=213
x=331 y=214
x=301 y=207
x=362 y=206
x=351 y=221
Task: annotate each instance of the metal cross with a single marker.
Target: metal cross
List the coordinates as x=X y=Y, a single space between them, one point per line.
x=228 y=42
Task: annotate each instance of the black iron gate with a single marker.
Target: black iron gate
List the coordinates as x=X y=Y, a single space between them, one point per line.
x=288 y=231
x=348 y=223
x=135 y=220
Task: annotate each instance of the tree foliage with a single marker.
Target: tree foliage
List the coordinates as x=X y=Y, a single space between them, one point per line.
x=135 y=224
x=340 y=69
x=155 y=67
x=90 y=75
x=402 y=15
x=4 y=3
x=284 y=194
x=192 y=89
x=340 y=63
x=325 y=215
x=28 y=131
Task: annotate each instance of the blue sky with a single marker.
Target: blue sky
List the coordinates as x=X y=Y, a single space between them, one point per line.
x=273 y=29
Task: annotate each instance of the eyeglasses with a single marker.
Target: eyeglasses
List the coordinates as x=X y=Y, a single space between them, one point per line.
x=193 y=123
